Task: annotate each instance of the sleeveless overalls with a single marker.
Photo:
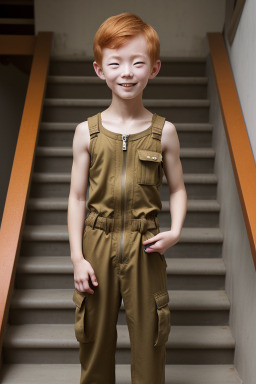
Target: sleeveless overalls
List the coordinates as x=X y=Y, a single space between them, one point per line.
x=125 y=176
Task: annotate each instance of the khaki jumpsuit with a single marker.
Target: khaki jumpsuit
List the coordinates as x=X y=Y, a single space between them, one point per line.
x=125 y=176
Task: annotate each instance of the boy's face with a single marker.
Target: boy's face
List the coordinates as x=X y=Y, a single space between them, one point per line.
x=128 y=64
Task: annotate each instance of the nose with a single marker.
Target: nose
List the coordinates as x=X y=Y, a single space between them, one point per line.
x=127 y=71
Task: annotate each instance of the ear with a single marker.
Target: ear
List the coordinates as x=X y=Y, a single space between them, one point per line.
x=98 y=70
x=155 y=69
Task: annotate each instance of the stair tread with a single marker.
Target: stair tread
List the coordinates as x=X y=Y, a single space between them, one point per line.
x=197 y=178
x=63 y=336
x=55 y=203
x=55 y=126
x=67 y=151
x=17 y=20
x=147 y=102
x=60 y=232
x=63 y=264
x=67 y=57
x=163 y=80
x=62 y=298
x=70 y=373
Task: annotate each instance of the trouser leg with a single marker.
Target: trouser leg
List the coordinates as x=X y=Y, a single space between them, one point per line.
x=145 y=295
x=97 y=353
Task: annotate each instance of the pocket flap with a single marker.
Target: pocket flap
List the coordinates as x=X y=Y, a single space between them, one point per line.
x=79 y=297
x=161 y=298
x=146 y=155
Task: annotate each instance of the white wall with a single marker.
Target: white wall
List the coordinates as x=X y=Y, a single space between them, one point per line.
x=240 y=271
x=180 y=24
x=242 y=54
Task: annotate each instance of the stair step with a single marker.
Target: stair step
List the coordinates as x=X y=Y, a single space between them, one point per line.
x=53 y=211
x=79 y=65
x=55 y=306
x=56 y=272
x=55 y=134
x=43 y=342
x=195 y=178
x=59 y=159
x=164 y=87
x=106 y=102
x=62 y=298
x=70 y=373
x=60 y=232
x=70 y=127
x=175 y=110
x=163 y=80
x=58 y=204
x=68 y=152
x=57 y=184
x=17 y=21
x=53 y=240
x=63 y=265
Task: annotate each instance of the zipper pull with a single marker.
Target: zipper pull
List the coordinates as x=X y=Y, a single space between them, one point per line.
x=124 y=138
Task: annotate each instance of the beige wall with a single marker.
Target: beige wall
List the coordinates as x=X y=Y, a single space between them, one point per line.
x=241 y=275
x=181 y=24
x=242 y=54
x=241 y=278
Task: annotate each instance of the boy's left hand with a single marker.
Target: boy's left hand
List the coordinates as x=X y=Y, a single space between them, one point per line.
x=162 y=241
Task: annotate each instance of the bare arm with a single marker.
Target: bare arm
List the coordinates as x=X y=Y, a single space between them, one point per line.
x=178 y=196
x=174 y=176
x=77 y=206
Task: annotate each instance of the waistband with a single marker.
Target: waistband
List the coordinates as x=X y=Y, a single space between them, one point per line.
x=108 y=223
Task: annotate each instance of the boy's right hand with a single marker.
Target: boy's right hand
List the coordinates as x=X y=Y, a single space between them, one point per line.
x=83 y=272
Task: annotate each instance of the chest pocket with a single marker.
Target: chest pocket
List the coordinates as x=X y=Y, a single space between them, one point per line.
x=149 y=167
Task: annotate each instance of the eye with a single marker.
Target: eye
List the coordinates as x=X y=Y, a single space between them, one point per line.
x=113 y=64
x=139 y=62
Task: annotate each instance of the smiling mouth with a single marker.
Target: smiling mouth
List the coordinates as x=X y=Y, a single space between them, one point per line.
x=128 y=85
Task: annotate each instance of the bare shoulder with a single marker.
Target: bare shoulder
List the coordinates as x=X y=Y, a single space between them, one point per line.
x=169 y=140
x=82 y=136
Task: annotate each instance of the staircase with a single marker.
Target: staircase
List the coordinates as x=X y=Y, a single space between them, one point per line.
x=39 y=344
x=17 y=17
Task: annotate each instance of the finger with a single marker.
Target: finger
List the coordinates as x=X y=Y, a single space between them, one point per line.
x=148 y=241
x=87 y=287
x=151 y=239
x=151 y=244
x=81 y=287
x=150 y=249
x=93 y=277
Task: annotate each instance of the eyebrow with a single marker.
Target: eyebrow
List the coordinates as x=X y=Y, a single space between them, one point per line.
x=118 y=57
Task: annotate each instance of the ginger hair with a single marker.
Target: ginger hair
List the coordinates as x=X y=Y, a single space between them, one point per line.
x=117 y=30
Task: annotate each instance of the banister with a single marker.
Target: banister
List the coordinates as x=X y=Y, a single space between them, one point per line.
x=19 y=185
x=18 y=45
x=238 y=142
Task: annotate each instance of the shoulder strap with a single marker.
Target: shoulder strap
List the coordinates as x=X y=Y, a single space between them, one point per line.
x=93 y=125
x=157 y=127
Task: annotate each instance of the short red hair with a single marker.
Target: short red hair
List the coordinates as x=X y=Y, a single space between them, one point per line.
x=116 y=30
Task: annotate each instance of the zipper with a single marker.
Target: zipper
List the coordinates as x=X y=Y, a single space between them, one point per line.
x=124 y=147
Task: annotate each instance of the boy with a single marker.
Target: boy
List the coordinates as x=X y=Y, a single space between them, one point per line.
x=124 y=156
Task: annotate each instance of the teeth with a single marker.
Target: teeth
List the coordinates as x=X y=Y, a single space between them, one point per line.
x=127 y=85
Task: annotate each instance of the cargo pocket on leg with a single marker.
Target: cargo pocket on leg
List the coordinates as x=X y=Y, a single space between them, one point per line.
x=163 y=317
x=81 y=331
